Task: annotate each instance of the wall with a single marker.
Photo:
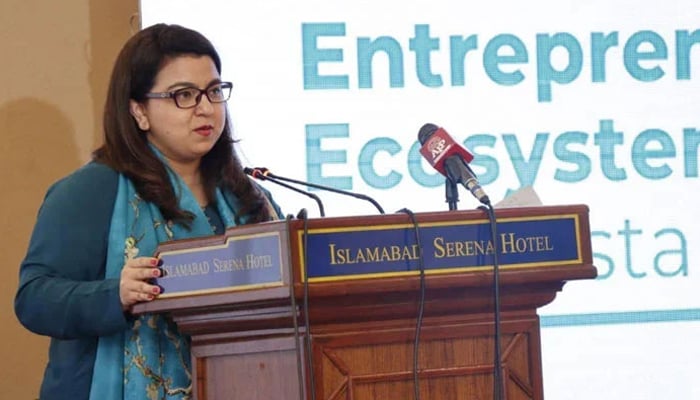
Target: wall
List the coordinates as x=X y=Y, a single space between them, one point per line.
x=56 y=62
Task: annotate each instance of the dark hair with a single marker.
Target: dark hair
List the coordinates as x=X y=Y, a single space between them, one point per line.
x=126 y=148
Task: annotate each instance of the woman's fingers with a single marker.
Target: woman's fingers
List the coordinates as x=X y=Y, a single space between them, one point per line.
x=134 y=286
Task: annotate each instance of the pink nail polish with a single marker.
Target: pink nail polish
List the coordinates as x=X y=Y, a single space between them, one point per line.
x=156 y=290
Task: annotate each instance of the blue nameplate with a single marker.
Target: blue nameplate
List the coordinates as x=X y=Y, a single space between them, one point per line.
x=241 y=262
x=391 y=250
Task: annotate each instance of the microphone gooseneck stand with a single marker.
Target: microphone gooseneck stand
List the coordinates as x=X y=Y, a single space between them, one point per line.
x=268 y=174
x=258 y=175
x=451 y=194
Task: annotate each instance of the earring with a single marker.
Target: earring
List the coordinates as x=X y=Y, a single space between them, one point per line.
x=143 y=124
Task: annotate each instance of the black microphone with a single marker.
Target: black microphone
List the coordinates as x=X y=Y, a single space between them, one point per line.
x=269 y=174
x=450 y=159
x=258 y=174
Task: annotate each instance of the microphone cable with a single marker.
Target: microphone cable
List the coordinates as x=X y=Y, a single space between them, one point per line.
x=421 y=304
x=497 y=371
x=307 y=337
x=295 y=315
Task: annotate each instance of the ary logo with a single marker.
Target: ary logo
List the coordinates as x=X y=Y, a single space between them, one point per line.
x=436 y=147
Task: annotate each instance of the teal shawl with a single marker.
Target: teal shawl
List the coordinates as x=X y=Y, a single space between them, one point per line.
x=152 y=359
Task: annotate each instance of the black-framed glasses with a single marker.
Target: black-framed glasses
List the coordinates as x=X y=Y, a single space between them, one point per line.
x=190 y=97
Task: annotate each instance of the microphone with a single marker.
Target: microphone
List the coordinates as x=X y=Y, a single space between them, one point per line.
x=258 y=174
x=450 y=159
x=267 y=174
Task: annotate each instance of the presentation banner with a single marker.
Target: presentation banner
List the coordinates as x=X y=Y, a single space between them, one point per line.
x=591 y=102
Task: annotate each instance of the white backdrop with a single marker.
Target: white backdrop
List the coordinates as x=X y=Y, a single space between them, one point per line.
x=591 y=102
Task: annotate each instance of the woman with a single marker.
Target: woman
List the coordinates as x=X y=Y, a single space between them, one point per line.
x=167 y=170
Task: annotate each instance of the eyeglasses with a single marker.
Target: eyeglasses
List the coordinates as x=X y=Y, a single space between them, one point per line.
x=191 y=96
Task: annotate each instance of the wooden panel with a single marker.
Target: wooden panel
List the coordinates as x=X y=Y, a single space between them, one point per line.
x=372 y=363
x=259 y=369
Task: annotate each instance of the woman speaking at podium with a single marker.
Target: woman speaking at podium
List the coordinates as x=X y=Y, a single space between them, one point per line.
x=167 y=170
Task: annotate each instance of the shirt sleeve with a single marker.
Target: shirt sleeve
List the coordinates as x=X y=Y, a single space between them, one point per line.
x=62 y=291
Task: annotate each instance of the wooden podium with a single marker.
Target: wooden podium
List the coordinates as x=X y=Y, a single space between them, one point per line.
x=250 y=343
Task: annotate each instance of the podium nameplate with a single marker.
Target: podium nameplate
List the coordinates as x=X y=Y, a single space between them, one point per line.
x=358 y=252
x=239 y=263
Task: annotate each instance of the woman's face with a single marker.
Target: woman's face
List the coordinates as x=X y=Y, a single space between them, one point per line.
x=182 y=135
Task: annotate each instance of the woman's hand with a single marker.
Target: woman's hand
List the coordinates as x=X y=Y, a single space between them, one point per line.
x=134 y=286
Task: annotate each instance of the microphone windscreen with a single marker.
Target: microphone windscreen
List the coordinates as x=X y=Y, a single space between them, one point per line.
x=425 y=132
